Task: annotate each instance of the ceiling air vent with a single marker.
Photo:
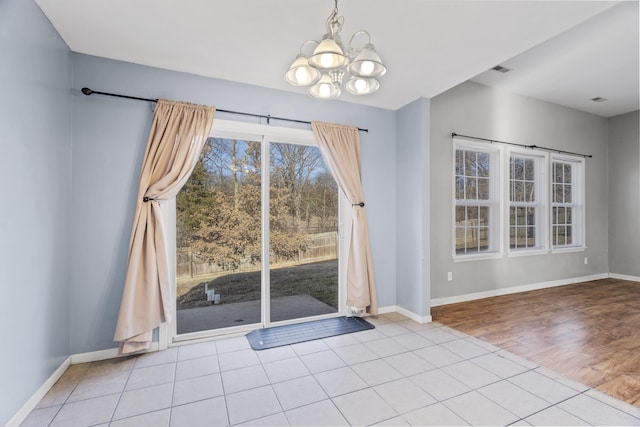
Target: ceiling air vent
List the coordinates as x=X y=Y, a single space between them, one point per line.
x=599 y=99
x=501 y=69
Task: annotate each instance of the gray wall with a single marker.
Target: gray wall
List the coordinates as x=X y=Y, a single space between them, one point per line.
x=35 y=169
x=109 y=141
x=412 y=206
x=478 y=110
x=624 y=194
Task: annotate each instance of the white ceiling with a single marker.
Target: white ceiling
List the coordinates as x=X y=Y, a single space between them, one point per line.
x=598 y=58
x=560 y=51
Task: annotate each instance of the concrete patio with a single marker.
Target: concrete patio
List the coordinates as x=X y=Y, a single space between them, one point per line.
x=245 y=313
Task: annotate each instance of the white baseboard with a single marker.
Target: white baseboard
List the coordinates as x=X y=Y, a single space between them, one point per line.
x=515 y=289
x=33 y=401
x=387 y=309
x=400 y=310
x=94 y=356
x=413 y=316
x=624 y=277
x=111 y=353
x=74 y=359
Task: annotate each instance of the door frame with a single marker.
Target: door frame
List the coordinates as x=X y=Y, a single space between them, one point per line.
x=266 y=135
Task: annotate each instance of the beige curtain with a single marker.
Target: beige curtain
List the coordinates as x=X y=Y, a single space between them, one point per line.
x=178 y=133
x=340 y=148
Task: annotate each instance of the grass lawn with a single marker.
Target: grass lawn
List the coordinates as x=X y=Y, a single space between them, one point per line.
x=319 y=279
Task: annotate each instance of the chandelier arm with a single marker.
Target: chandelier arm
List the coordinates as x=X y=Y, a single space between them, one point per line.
x=307 y=42
x=356 y=34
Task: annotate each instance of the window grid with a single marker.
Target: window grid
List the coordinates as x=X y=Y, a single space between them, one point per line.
x=563 y=204
x=523 y=202
x=473 y=201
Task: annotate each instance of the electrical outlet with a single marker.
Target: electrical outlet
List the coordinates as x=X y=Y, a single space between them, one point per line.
x=449 y=276
x=586 y=261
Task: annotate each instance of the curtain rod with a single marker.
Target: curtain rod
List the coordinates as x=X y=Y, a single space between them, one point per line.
x=533 y=147
x=88 y=91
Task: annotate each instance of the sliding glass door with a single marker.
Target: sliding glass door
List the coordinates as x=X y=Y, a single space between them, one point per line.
x=303 y=233
x=219 y=238
x=257 y=237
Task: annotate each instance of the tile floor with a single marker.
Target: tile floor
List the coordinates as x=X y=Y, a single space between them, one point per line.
x=401 y=373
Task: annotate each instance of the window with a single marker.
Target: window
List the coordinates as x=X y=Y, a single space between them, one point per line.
x=476 y=201
x=526 y=202
x=567 y=188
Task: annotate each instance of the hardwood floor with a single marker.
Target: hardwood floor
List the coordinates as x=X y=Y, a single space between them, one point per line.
x=589 y=332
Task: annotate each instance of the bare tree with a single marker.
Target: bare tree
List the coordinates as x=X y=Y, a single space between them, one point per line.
x=292 y=167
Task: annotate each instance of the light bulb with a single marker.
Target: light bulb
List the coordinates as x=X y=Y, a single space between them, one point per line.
x=324 y=91
x=302 y=74
x=367 y=68
x=326 y=60
x=360 y=85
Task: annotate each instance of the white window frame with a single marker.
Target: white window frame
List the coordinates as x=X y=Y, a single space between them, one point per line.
x=499 y=223
x=495 y=201
x=578 y=205
x=541 y=162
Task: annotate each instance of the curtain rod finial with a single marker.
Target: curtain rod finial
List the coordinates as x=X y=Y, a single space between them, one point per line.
x=87 y=91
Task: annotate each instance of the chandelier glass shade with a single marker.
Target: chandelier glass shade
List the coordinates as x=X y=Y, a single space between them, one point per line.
x=324 y=71
x=325 y=88
x=300 y=73
x=329 y=55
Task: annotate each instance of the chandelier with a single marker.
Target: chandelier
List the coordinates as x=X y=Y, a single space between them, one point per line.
x=329 y=64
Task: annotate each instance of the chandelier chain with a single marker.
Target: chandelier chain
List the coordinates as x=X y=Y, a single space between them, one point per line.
x=334 y=21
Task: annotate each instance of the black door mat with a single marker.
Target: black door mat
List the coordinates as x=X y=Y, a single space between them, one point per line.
x=261 y=339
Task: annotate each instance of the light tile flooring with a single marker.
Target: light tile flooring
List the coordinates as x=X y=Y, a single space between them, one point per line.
x=400 y=373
